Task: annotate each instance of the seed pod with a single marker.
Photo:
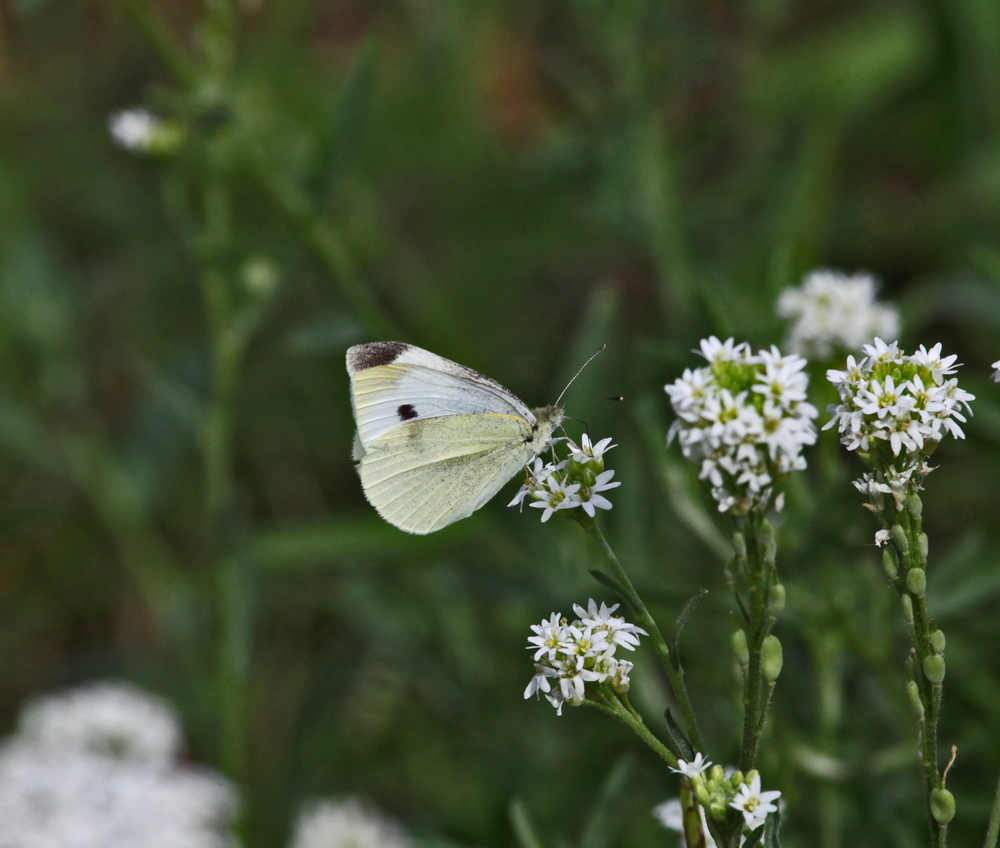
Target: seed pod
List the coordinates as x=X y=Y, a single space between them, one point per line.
x=907 y=609
x=934 y=669
x=899 y=538
x=922 y=546
x=938 y=641
x=914 y=692
x=890 y=563
x=739 y=641
x=740 y=545
x=914 y=505
x=942 y=805
x=776 y=599
x=771 y=659
x=916 y=581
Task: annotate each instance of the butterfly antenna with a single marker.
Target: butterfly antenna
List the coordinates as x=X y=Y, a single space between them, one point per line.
x=578 y=373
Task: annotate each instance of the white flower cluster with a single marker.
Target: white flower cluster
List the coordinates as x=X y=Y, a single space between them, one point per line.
x=96 y=768
x=576 y=481
x=832 y=310
x=568 y=656
x=719 y=790
x=346 y=823
x=744 y=418
x=894 y=409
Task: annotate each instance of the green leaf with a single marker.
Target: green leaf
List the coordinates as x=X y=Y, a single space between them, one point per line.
x=524 y=828
x=754 y=838
x=682 y=746
x=771 y=828
x=613 y=585
x=686 y=612
x=598 y=831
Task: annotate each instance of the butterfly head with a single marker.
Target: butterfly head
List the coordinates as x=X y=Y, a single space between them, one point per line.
x=547 y=421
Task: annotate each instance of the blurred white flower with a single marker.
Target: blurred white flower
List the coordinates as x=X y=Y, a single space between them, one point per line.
x=831 y=310
x=568 y=656
x=754 y=804
x=996 y=371
x=85 y=773
x=115 y=719
x=135 y=129
x=744 y=419
x=671 y=815
x=346 y=824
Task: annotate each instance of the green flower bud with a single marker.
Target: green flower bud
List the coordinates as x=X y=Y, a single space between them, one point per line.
x=776 y=599
x=938 y=641
x=942 y=805
x=260 y=276
x=934 y=669
x=914 y=692
x=736 y=778
x=770 y=658
x=717 y=774
x=890 y=563
x=701 y=793
x=739 y=641
x=922 y=545
x=914 y=505
x=718 y=810
x=740 y=545
x=916 y=581
x=899 y=538
x=908 y=609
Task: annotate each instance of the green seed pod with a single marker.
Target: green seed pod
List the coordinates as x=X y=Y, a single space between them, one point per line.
x=938 y=641
x=890 y=563
x=914 y=505
x=899 y=538
x=776 y=599
x=916 y=581
x=765 y=534
x=739 y=640
x=740 y=545
x=914 y=692
x=934 y=669
x=770 y=658
x=907 y=609
x=942 y=805
x=922 y=546
x=770 y=551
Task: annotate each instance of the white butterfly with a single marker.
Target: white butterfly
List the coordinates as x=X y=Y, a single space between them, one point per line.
x=436 y=440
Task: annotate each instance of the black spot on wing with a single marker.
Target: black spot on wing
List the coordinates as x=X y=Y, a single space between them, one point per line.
x=406 y=412
x=372 y=355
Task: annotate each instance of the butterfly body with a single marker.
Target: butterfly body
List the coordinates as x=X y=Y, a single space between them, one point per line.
x=436 y=440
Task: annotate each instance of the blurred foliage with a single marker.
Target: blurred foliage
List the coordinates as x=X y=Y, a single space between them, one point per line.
x=509 y=184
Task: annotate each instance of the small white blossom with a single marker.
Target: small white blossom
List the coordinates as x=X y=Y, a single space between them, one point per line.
x=744 y=419
x=693 y=768
x=896 y=408
x=754 y=804
x=671 y=815
x=346 y=824
x=135 y=129
x=554 y=495
x=569 y=655
x=831 y=310
x=882 y=537
x=587 y=451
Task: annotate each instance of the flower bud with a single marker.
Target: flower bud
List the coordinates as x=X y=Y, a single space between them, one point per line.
x=890 y=563
x=736 y=778
x=899 y=538
x=914 y=505
x=261 y=276
x=776 y=599
x=922 y=546
x=942 y=805
x=934 y=669
x=916 y=581
x=717 y=774
x=740 y=545
x=907 y=609
x=914 y=692
x=770 y=658
x=938 y=641
x=739 y=640
x=718 y=810
x=701 y=793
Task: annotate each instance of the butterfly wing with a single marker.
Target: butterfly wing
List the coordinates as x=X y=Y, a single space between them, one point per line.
x=424 y=474
x=393 y=383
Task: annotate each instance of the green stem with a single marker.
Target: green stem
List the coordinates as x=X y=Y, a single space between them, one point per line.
x=674 y=672
x=994 y=828
x=155 y=31
x=612 y=706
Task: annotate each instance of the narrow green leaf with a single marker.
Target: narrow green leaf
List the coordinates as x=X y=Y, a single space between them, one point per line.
x=754 y=838
x=682 y=747
x=613 y=585
x=686 y=612
x=524 y=828
x=771 y=828
x=599 y=829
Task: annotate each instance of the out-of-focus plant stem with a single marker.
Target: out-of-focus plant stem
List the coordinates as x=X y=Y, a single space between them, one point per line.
x=159 y=37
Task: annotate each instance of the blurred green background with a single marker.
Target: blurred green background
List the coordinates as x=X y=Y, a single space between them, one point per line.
x=509 y=184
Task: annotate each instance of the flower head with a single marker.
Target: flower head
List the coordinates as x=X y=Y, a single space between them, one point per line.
x=831 y=310
x=570 y=655
x=346 y=823
x=744 y=419
x=693 y=768
x=754 y=804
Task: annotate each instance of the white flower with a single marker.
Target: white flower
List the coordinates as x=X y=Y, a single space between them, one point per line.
x=831 y=310
x=898 y=407
x=744 y=419
x=135 y=129
x=996 y=371
x=346 y=824
x=84 y=773
x=754 y=804
x=618 y=630
x=554 y=495
x=587 y=451
x=114 y=719
x=882 y=537
x=671 y=815
x=693 y=768
x=589 y=497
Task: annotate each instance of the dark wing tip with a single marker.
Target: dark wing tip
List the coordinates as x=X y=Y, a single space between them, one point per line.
x=372 y=355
